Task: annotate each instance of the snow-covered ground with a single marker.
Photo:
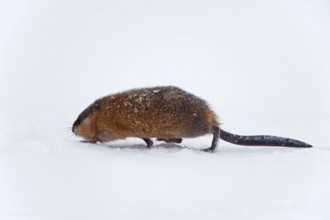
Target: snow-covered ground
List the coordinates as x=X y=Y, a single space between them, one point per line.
x=262 y=65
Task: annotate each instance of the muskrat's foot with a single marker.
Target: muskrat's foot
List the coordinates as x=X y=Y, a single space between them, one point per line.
x=89 y=141
x=148 y=142
x=209 y=150
x=215 y=140
x=171 y=140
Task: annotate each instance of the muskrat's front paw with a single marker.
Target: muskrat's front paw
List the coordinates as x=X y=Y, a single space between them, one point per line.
x=89 y=141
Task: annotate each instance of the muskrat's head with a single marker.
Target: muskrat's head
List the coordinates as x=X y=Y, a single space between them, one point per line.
x=85 y=125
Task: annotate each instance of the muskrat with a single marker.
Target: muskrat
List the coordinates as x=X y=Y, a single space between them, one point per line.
x=167 y=113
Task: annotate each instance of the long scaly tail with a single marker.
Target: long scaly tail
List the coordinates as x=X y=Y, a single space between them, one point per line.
x=261 y=140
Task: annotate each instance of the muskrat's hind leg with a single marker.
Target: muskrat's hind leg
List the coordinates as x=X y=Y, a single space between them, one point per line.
x=171 y=140
x=215 y=140
x=148 y=142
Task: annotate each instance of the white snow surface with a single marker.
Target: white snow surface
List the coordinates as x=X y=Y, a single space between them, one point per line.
x=263 y=66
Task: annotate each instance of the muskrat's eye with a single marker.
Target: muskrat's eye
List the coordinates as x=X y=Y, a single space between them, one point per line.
x=97 y=104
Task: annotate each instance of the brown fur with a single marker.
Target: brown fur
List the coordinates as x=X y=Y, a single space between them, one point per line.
x=167 y=113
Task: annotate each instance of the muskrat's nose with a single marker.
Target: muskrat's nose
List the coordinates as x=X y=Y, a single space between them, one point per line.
x=73 y=129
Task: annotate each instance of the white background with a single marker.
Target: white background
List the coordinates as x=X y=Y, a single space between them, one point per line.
x=262 y=65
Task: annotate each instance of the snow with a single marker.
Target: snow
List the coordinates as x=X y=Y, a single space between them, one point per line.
x=262 y=66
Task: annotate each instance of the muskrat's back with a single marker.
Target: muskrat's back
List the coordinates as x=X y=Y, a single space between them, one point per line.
x=162 y=112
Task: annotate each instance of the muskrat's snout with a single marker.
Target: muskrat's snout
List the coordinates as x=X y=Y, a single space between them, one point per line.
x=75 y=125
x=74 y=129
